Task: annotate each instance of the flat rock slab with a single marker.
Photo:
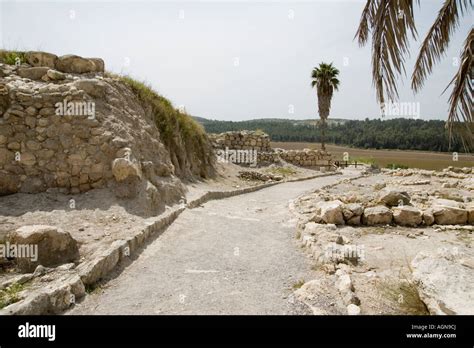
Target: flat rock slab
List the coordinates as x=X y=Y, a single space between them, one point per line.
x=445 y=282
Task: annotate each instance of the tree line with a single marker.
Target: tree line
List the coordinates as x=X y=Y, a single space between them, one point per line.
x=400 y=133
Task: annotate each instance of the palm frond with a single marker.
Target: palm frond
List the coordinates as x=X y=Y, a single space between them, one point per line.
x=436 y=41
x=390 y=21
x=366 y=20
x=460 y=116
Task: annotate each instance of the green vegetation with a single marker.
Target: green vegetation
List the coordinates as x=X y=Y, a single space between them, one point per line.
x=400 y=133
x=365 y=160
x=11 y=57
x=174 y=126
x=10 y=294
x=298 y=284
x=396 y=166
x=284 y=171
x=403 y=294
x=93 y=288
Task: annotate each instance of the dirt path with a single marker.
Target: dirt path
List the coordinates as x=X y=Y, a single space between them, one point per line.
x=231 y=256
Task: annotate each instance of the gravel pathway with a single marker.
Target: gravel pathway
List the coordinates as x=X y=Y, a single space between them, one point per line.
x=232 y=256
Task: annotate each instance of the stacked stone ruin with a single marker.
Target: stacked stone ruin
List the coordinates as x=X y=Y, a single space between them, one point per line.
x=260 y=142
x=67 y=126
x=307 y=157
x=243 y=140
x=36 y=144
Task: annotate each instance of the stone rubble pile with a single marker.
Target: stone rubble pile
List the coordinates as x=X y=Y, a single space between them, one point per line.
x=256 y=176
x=335 y=254
x=451 y=172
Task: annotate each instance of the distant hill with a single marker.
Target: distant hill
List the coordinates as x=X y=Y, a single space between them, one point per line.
x=399 y=133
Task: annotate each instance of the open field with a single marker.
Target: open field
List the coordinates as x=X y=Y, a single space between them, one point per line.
x=412 y=159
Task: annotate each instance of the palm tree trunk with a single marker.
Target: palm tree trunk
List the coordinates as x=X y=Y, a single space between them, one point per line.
x=323 y=134
x=324 y=104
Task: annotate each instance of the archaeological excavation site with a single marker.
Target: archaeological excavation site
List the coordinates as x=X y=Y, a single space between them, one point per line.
x=212 y=172
x=96 y=166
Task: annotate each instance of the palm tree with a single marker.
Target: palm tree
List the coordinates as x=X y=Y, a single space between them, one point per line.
x=391 y=22
x=325 y=80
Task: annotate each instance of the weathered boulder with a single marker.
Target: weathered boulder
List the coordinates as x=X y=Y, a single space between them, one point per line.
x=41 y=59
x=123 y=168
x=99 y=64
x=312 y=228
x=355 y=220
x=35 y=73
x=78 y=65
x=446 y=203
x=54 y=246
x=445 y=283
x=317 y=296
x=4 y=99
x=95 y=88
x=344 y=283
x=337 y=253
x=448 y=212
x=6 y=156
x=393 y=197
x=470 y=212
x=352 y=209
x=330 y=212
x=407 y=215
x=55 y=75
x=353 y=309
x=428 y=217
x=379 y=215
x=8 y=183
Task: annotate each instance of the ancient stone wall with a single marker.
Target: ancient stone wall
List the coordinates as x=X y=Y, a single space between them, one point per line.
x=260 y=142
x=307 y=157
x=79 y=130
x=244 y=140
x=42 y=145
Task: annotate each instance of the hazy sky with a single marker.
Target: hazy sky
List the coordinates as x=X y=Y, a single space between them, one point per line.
x=229 y=60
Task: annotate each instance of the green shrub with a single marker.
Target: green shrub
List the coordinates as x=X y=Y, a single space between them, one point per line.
x=365 y=160
x=403 y=294
x=10 y=294
x=11 y=57
x=284 y=171
x=396 y=166
x=298 y=284
x=172 y=122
